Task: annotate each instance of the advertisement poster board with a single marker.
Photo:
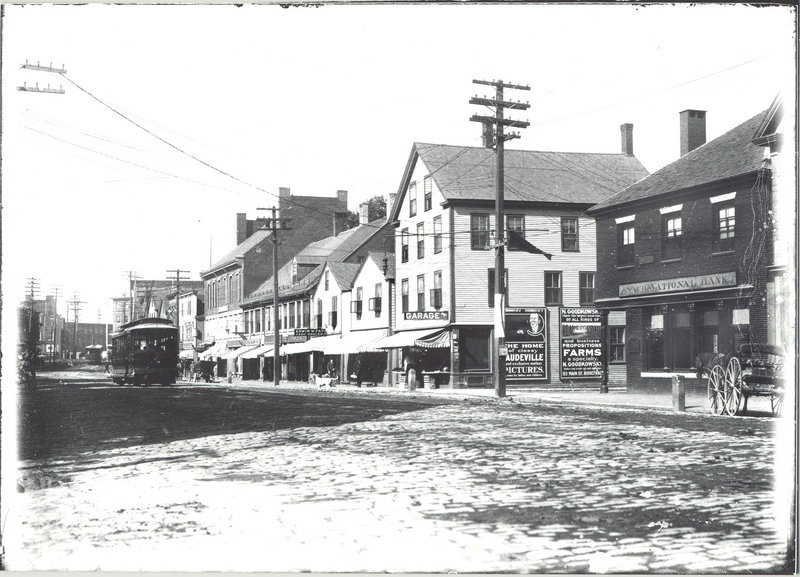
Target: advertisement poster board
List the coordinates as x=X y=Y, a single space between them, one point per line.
x=581 y=343
x=526 y=341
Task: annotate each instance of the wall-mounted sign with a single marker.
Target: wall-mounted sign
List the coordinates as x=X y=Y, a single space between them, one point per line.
x=293 y=339
x=705 y=281
x=426 y=316
x=581 y=343
x=527 y=357
x=308 y=332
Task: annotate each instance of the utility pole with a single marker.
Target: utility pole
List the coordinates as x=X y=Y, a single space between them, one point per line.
x=56 y=289
x=76 y=307
x=132 y=276
x=275 y=224
x=498 y=122
x=30 y=298
x=177 y=278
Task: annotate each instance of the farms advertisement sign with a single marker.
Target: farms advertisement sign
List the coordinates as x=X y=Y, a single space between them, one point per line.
x=526 y=343
x=581 y=344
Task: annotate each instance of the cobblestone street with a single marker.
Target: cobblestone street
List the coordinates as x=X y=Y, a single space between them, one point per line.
x=414 y=486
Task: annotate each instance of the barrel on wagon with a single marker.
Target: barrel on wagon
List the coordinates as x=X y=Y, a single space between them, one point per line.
x=145 y=352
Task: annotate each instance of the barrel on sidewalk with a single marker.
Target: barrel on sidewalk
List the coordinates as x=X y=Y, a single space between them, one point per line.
x=678 y=393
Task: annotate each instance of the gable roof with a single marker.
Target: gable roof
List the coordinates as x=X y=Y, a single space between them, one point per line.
x=239 y=251
x=378 y=259
x=727 y=156
x=468 y=173
x=344 y=273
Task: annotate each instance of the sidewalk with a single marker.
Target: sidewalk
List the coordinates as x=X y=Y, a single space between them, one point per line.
x=619 y=398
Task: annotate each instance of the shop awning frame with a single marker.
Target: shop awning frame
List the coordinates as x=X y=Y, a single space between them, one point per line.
x=216 y=351
x=237 y=352
x=258 y=351
x=405 y=338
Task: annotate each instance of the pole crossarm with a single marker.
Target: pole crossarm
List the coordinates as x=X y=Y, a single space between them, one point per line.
x=501 y=121
x=501 y=84
x=504 y=103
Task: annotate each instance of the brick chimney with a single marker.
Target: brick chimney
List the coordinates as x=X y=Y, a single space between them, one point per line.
x=626 y=131
x=284 y=194
x=342 y=195
x=363 y=213
x=693 y=130
x=241 y=227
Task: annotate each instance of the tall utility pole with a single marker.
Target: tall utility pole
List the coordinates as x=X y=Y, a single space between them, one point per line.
x=495 y=139
x=76 y=307
x=32 y=292
x=56 y=289
x=132 y=276
x=275 y=224
x=177 y=278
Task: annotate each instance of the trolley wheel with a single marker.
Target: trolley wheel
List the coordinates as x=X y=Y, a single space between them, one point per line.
x=776 y=402
x=733 y=386
x=716 y=390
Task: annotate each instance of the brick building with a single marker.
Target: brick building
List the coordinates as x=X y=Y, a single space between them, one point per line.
x=684 y=253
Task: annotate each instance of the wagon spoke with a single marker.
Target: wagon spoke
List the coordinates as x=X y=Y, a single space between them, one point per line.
x=733 y=386
x=716 y=384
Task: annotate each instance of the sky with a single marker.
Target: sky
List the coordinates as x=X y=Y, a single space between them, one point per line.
x=175 y=118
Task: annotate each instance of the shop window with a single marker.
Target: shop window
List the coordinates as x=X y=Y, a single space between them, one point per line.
x=492 y=288
x=724 y=227
x=479 y=232
x=655 y=342
x=437 y=234
x=516 y=223
x=671 y=233
x=420 y=240
x=404 y=245
x=617 y=344
x=552 y=288
x=427 y=184
x=626 y=237
x=412 y=199
x=586 y=284
x=569 y=233
x=404 y=295
x=474 y=349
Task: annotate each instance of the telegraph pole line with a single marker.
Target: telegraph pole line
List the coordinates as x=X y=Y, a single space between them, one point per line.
x=275 y=224
x=30 y=296
x=76 y=307
x=177 y=278
x=132 y=276
x=494 y=137
x=39 y=68
x=56 y=289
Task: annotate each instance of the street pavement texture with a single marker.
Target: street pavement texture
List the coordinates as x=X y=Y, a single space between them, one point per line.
x=226 y=478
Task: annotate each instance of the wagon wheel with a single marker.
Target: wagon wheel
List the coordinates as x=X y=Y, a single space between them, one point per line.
x=716 y=390
x=776 y=402
x=733 y=386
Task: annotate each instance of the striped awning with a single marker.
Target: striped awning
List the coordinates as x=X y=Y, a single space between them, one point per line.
x=354 y=341
x=404 y=339
x=435 y=341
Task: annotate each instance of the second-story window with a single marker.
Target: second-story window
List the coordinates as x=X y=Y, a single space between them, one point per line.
x=516 y=223
x=404 y=295
x=306 y=314
x=586 y=287
x=404 y=245
x=427 y=185
x=356 y=305
x=291 y=315
x=626 y=237
x=412 y=199
x=569 y=233
x=327 y=280
x=552 y=288
x=479 y=231
x=319 y=314
x=436 y=291
x=437 y=234
x=376 y=303
x=672 y=231
x=421 y=292
x=724 y=227
x=420 y=240
x=333 y=315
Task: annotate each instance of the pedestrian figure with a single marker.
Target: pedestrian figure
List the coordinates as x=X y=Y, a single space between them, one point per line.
x=357 y=372
x=411 y=372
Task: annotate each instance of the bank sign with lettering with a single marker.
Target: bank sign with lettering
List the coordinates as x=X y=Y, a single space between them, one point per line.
x=581 y=343
x=526 y=342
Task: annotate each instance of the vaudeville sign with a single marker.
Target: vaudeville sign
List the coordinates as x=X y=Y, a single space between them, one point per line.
x=581 y=343
x=526 y=340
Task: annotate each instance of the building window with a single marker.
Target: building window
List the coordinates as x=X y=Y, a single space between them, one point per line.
x=428 y=191
x=319 y=314
x=412 y=199
x=626 y=237
x=332 y=316
x=375 y=305
x=671 y=236
x=268 y=319
x=491 y=287
x=569 y=233
x=291 y=315
x=552 y=288
x=616 y=338
x=586 y=284
x=516 y=223
x=474 y=349
x=404 y=245
x=421 y=292
x=404 y=294
x=436 y=291
x=327 y=280
x=437 y=234
x=724 y=227
x=355 y=306
x=655 y=342
x=420 y=240
x=479 y=229
x=284 y=316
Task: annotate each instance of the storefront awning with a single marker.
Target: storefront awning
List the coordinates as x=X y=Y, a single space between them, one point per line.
x=435 y=341
x=404 y=339
x=214 y=352
x=352 y=342
x=236 y=352
x=295 y=348
x=258 y=351
x=187 y=354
